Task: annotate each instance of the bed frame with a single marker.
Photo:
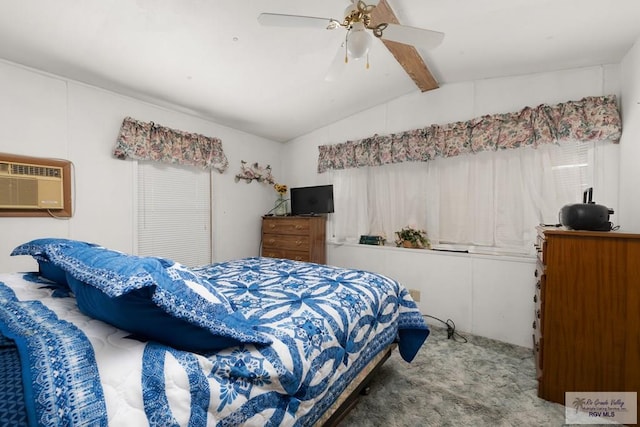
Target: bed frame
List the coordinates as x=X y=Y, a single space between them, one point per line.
x=359 y=387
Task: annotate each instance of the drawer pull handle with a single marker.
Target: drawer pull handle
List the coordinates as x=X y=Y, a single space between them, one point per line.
x=272 y=226
x=272 y=241
x=298 y=227
x=298 y=242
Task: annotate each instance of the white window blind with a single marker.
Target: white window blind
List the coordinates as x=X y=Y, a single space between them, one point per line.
x=573 y=168
x=174 y=213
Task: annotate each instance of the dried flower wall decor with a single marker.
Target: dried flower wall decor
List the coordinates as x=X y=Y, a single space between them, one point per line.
x=254 y=172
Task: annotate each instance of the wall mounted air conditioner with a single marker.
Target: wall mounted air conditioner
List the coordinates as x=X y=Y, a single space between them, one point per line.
x=30 y=186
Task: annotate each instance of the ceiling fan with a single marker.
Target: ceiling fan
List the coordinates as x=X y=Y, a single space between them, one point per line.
x=363 y=21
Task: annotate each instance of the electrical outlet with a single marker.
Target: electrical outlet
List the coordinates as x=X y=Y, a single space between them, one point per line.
x=415 y=294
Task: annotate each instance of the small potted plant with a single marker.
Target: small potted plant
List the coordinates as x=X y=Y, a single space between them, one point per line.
x=410 y=237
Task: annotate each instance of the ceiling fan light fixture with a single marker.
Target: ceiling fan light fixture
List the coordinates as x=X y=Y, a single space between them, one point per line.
x=352 y=8
x=358 y=42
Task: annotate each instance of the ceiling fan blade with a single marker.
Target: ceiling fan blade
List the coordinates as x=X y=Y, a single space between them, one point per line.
x=418 y=37
x=405 y=54
x=281 y=20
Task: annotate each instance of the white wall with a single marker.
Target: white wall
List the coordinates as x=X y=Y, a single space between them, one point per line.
x=630 y=142
x=487 y=295
x=46 y=116
x=471 y=290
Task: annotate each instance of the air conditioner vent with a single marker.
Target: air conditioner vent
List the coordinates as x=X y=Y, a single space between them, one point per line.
x=30 y=170
x=30 y=186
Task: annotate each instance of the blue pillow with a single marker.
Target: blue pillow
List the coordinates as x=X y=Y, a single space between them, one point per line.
x=153 y=298
x=40 y=249
x=52 y=272
x=136 y=312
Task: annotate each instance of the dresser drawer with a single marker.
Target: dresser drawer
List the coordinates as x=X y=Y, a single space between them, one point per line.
x=285 y=226
x=538 y=319
x=285 y=241
x=539 y=300
x=287 y=254
x=541 y=247
x=541 y=285
x=538 y=349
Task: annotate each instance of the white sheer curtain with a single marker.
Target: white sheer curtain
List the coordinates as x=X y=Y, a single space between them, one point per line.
x=350 y=199
x=490 y=199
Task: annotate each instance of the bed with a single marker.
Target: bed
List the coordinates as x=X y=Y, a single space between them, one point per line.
x=99 y=337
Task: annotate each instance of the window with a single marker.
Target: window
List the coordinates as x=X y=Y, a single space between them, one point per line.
x=174 y=213
x=485 y=201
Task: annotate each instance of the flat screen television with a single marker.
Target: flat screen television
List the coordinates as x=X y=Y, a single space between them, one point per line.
x=314 y=200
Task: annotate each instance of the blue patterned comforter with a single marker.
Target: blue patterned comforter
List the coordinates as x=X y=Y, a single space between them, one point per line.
x=326 y=324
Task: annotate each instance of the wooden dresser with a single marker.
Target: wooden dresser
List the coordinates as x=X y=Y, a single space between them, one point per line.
x=587 y=312
x=300 y=238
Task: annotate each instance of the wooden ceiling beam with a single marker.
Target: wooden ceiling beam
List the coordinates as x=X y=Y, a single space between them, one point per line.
x=406 y=55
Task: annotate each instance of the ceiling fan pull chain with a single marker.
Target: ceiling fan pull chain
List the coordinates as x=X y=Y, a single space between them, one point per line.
x=367 y=60
x=346 y=48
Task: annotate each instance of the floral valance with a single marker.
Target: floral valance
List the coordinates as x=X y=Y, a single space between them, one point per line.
x=590 y=119
x=149 y=141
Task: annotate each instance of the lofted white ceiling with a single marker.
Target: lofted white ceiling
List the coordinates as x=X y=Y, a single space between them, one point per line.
x=213 y=58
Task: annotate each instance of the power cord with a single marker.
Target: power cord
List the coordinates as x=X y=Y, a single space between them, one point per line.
x=451 y=329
